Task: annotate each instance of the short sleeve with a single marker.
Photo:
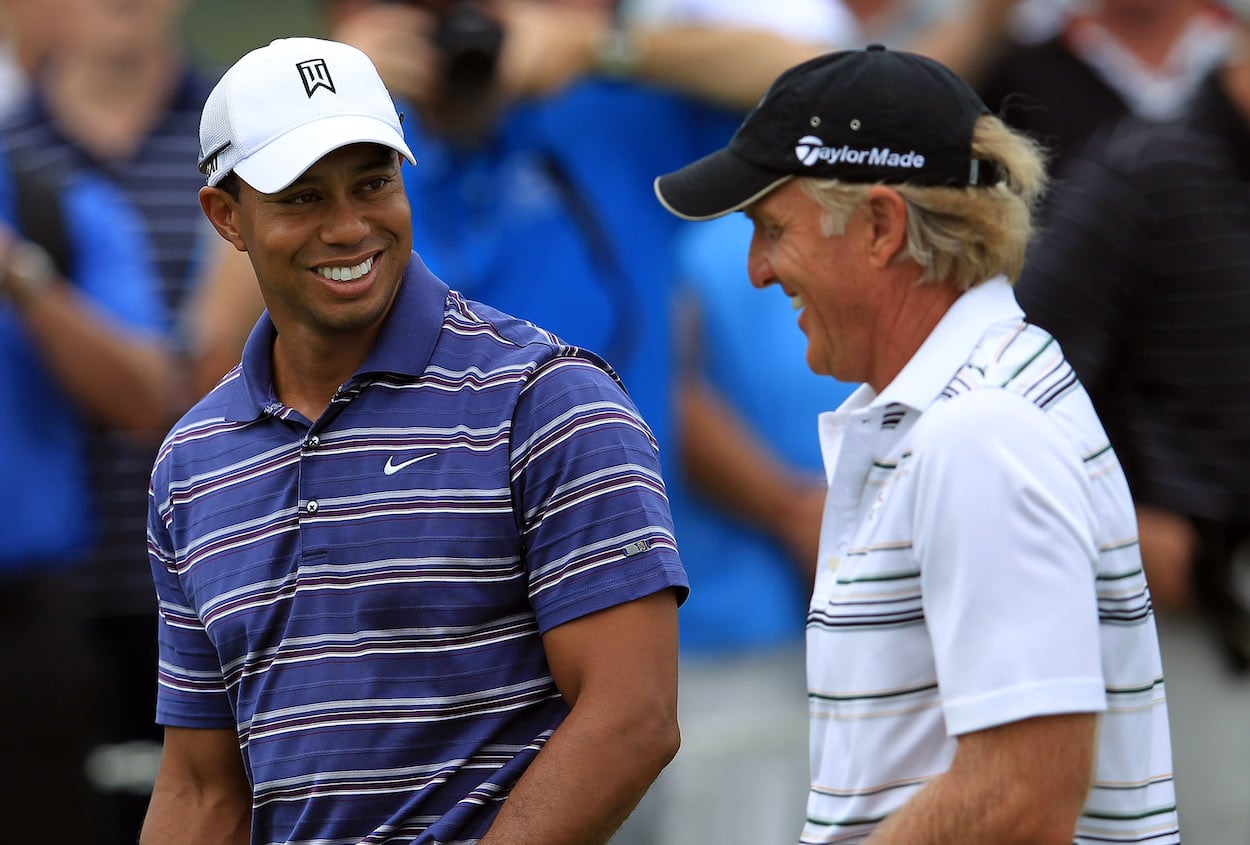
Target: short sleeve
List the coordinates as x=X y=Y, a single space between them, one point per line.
x=1005 y=535
x=596 y=526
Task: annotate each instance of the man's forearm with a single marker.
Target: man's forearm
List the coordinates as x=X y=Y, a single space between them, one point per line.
x=585 y=782
x=726 y=65
x=1022 y=783
x=178 y=816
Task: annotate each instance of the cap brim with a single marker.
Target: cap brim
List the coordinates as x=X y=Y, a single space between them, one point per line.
x=280 y=162
x=715 y=185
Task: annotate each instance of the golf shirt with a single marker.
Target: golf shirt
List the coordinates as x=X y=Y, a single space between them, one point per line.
x=363 y=596
x=978 y=566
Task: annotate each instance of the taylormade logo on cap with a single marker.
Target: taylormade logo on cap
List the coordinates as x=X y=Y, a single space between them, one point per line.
x=811 y=151
x=281 y=108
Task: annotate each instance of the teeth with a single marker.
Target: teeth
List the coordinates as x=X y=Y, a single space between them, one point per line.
x=796 y=302
x=343 y=274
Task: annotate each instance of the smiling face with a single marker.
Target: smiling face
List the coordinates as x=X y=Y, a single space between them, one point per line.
x=828 y=278
x=329 y=251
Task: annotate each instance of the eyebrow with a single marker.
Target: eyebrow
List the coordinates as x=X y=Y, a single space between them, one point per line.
x=384 y=158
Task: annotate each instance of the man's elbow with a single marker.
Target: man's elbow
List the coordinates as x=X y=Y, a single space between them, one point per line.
x=656 y=737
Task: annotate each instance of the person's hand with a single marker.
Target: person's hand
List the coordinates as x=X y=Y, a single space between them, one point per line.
x=26 y=271
x=546 y=45
x=1168 y=545
x=398 y=38
x=798 y=527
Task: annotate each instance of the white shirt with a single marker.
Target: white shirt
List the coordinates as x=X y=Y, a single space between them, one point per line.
x=979 y=565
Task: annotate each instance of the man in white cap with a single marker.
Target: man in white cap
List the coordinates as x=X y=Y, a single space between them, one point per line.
x=416 y=571
x=982 y=658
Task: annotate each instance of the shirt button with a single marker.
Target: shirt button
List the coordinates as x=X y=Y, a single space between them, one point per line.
x=312 y=506
x=314 y=442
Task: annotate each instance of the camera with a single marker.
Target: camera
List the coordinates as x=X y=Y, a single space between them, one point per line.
x=469 y=40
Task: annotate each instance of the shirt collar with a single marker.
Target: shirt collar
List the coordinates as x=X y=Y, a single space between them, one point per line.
x=403 y=347
x=946 y=349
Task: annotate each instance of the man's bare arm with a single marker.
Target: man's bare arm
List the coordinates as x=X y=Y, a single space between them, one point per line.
x=1023 y=783
x=201 y=794
x=618 y=670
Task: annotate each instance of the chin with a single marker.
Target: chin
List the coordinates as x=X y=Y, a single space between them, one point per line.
x=817 y=365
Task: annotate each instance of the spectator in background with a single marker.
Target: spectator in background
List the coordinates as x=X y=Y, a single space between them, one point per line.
x=1097 y=62
x=117 y=97
x=81 y=346
x=1144 y=278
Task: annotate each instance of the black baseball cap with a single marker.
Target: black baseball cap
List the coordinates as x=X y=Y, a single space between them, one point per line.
x=866 y=116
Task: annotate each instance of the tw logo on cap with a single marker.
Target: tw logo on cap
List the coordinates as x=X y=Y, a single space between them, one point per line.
x=315 y=74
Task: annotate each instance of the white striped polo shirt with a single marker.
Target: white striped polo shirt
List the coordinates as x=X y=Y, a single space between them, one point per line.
x=979 y=566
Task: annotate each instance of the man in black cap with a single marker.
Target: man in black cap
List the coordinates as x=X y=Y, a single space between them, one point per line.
x=982 y=658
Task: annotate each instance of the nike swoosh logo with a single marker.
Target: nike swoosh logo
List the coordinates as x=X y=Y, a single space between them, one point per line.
x=391 y=468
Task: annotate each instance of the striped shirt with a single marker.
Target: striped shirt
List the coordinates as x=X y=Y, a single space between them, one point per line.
x=363 y=596
x=979 y=566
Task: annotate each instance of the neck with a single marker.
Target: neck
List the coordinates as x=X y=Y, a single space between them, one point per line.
x=1148 y=29
x=308 y=371
x=921 y=307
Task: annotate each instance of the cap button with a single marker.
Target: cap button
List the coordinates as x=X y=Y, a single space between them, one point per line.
x=875 y=48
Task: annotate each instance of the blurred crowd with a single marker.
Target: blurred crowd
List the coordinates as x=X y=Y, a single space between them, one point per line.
x=538 y=127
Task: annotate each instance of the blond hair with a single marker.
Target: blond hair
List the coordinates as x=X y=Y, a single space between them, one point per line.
x=964 y=235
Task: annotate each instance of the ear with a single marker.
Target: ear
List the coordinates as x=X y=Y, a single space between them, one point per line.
x=887 y=212
x=221 y=209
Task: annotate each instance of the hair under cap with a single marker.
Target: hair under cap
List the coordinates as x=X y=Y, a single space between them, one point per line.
x=871 y=115
x=281 y=108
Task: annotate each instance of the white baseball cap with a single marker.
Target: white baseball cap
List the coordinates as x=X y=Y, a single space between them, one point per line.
x=282 y=107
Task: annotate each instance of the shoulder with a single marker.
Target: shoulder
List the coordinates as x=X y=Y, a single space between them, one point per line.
x=510 y=341
x=194 y=439
x=1152 y=154
x=1016 y=394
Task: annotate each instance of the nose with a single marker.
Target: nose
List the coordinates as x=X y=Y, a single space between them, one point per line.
x=344 y=223
x=759 y=268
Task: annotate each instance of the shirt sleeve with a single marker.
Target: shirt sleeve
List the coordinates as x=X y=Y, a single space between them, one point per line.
x=191 y=690
x=596 y=525
x=1005 y=535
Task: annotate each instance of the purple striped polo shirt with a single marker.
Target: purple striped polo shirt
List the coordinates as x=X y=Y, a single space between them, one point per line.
x=363 y=596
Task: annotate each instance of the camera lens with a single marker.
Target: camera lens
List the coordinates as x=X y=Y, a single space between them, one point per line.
x=469 y=40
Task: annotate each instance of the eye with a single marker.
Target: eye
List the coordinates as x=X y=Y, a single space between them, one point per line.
x=300 y=198
x=375 y=184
